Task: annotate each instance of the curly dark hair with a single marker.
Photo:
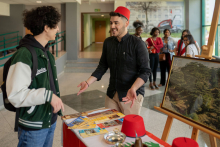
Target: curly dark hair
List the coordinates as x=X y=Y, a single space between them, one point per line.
x=138 y=24
x=154 y=30
x=117 y=14
x=35 y=19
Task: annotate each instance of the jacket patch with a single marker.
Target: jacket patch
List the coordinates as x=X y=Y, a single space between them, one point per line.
x=40 y=71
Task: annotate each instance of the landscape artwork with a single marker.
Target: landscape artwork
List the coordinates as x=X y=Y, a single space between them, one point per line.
x=193 y=91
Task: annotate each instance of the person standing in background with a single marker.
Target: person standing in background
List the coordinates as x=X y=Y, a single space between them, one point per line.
x=138 y=25
x=180 y=46
x=192 y=47
x=155 y=43
x=168 y=50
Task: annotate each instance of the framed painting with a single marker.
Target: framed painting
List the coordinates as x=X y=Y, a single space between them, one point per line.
x=193 y=91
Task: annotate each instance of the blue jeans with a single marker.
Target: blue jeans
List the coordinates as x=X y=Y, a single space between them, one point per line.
x=38 y=138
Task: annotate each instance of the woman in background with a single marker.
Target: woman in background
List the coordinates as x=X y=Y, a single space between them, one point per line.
x=192 y=47
x=168 y=50
x=154 y=43
x=138 y=25
x=180 y=46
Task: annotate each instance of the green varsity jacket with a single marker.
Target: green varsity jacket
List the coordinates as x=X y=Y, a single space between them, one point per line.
x=33 y=100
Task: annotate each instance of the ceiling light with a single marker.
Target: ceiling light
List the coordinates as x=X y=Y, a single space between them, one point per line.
x=38 y=2
x=102 y=0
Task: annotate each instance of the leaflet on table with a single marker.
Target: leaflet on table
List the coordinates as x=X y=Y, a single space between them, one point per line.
x=92 y=132
x=111 y=123
x=93 y=115
x=65 y=117
x=81 y=122
x=104 y=113
x=108 y=117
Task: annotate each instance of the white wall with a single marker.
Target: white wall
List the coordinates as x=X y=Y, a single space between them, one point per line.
x=4 y=9
x=86 y=8
x=105 y=7
x=87 y=30
x=58 y=6
x=123 y=2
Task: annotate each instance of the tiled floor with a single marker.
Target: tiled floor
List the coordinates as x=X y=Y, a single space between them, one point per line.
x=92 y=51
x=93 y=98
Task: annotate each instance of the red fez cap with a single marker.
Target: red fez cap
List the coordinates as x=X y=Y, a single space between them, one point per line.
x=123 y=11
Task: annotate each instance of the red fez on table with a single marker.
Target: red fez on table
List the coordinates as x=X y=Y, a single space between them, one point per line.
x=123 y=11
x=184 y=142
x=131 y=124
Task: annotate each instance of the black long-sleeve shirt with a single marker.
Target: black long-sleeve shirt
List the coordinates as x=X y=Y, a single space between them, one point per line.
x=127 y=60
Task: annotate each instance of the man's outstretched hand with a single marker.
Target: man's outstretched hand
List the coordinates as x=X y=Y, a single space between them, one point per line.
x=130 y=97
x=83 y=86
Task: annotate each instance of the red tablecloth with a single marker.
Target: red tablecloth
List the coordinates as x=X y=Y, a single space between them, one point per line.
x=71 y=140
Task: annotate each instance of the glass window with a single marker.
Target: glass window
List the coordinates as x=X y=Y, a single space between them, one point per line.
x=165 y=10
x=143 y=16
x=178 y=16
x=177 y=22
x=207 y=13
x=177 y=10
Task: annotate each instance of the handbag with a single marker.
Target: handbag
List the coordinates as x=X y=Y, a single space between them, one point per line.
x=153 y=51
x=162 y=57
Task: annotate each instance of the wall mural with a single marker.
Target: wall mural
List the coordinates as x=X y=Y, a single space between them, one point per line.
x=193 y=91
x=161 y=14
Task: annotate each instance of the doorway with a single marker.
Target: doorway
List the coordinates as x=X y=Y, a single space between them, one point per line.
x=100 y=31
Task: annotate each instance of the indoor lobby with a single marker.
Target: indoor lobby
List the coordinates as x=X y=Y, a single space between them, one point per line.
x=78 y=49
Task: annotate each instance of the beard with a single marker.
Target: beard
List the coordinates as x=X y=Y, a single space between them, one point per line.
x=119 y=32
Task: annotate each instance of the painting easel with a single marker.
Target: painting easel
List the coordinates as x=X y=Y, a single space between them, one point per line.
x=207 y=51
x=195 y=132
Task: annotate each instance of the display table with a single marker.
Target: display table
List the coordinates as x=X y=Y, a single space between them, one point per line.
x=72 y=138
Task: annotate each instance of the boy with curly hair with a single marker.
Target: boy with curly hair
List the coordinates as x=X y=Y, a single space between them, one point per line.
x=38 y=99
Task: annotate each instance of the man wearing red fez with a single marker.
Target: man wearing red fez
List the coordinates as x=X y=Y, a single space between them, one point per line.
x=128 y=60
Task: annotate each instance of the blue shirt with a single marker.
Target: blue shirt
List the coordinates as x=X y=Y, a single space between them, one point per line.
x=169 y=46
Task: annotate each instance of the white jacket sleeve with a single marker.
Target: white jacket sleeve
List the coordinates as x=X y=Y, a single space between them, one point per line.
x=17 y=83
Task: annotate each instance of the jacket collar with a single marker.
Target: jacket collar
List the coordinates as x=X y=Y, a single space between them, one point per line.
x=40 y=52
